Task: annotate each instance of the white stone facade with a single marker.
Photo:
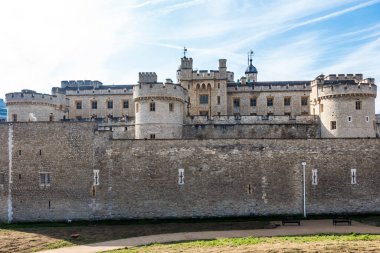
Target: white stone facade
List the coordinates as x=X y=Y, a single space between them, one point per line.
x=345 y=105
x=332 y=99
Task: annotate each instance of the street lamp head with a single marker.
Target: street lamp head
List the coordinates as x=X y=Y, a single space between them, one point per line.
x=303 y=163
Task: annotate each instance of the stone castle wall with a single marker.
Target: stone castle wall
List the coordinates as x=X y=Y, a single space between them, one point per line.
x=241 y=127
x=3 y=172
x=141 y=178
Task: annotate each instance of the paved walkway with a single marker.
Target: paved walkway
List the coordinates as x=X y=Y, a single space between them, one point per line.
x=307 y=227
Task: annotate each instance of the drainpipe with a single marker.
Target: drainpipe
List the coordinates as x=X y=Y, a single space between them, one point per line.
x=304 y=188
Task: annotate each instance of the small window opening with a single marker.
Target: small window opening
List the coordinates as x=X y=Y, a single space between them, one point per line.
x=304 y=101
x=110 y=104
x=358 y=105
x=126 y=104
x=249 y=189
x=269 y=101
x=152 y=107
x=287 y=101
x=236 y=102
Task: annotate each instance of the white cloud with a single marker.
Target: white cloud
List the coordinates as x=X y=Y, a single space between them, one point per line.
x=43 y=42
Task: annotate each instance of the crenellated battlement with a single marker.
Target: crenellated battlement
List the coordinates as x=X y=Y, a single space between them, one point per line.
x=333 y=77
x=147 y=77
x=28 y=96
x=159 y=91
x=269 y=86
x=205 y=74
x=344 y=85
x=106 y=91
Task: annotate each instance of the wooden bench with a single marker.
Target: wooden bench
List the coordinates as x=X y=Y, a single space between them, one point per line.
x=339 y=220
x=289 y=220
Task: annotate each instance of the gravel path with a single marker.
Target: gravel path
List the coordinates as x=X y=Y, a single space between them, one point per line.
x=308 y=227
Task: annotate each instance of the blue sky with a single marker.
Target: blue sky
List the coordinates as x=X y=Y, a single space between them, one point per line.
x=43 y=42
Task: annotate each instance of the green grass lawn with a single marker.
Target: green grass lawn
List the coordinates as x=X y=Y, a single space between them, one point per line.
x=235 y=243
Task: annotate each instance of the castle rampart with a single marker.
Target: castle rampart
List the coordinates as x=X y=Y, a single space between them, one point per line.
x=142 y=179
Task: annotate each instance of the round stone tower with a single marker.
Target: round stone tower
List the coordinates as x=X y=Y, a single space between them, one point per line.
x=345 y=105
x=159 y=108
x=29 y=105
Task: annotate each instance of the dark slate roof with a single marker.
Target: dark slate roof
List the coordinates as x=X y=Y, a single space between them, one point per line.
x=102 y=87
x=273 y=83
x=251 y=69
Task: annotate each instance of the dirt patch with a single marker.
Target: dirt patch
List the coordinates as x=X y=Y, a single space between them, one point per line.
x=31 y=239
x=309 y=247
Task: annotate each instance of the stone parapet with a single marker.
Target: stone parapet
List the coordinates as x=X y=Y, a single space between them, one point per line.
x=230 y=119
x=359 y=89
x=34 y=98
x=159 y=91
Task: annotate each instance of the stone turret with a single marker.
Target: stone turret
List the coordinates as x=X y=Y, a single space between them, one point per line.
x=251 y=71
x=29 y=105
x=159 y=108
x=147 y=77
x=185 y=70
x=345 y=105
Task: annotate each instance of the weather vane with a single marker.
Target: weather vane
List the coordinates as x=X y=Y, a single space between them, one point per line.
x=184 y=52
x=250 y=55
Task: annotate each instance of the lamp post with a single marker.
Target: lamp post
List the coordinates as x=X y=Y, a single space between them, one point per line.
x=304 y=188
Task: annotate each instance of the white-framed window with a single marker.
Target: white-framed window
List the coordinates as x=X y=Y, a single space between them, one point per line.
x=181 y=176
x=366 y=118
x=353 y=176
x=349 y=118
x=45 y=178
x=96 y=177
x=314 y=177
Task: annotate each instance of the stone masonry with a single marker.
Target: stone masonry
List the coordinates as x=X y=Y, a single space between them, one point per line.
x=178 y=178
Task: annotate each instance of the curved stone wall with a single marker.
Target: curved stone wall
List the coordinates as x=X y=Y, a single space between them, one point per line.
x=30 y=106
x=159 y=111
x=350 y=121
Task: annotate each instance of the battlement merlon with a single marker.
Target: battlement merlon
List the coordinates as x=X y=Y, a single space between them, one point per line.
x=186 y=63
x=164 y=91
x=147 y=77
x=29 y=96
x=342 y=79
